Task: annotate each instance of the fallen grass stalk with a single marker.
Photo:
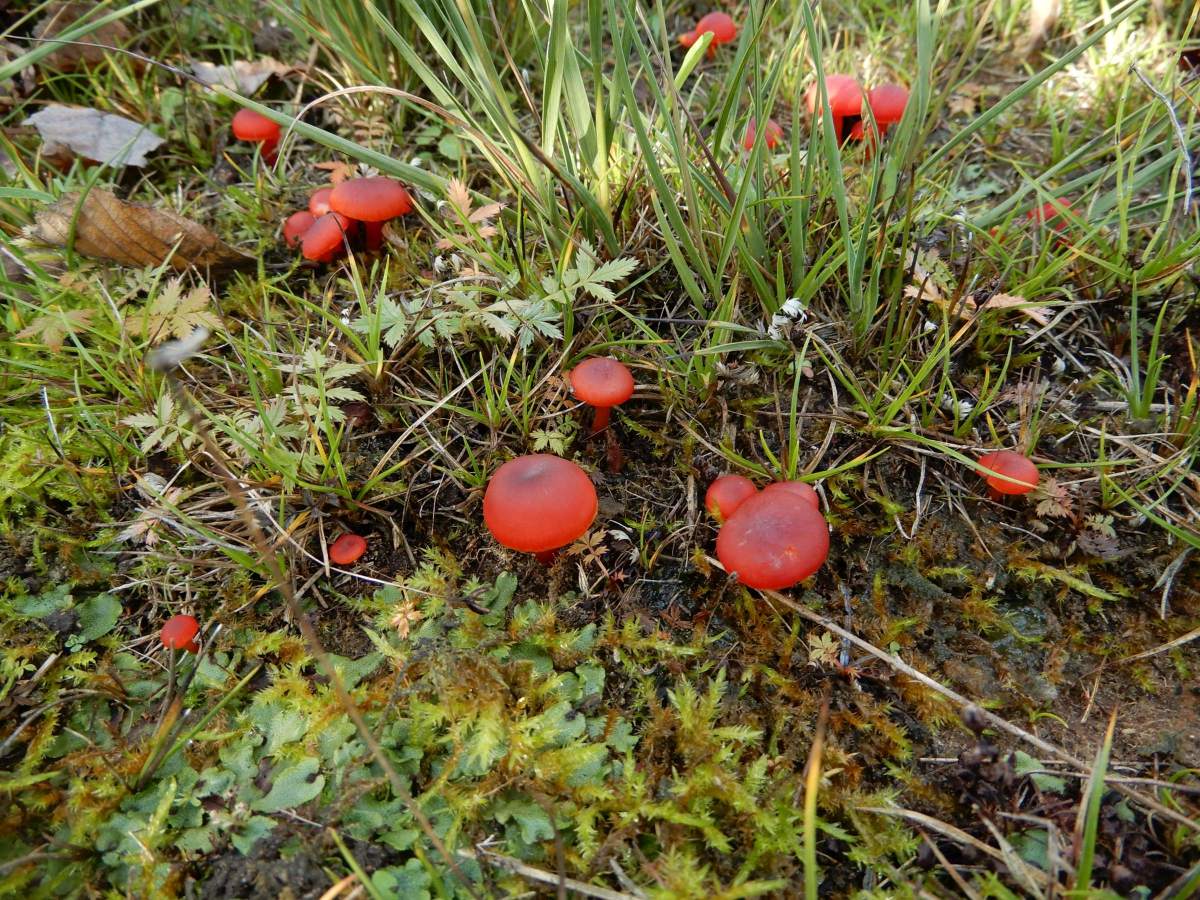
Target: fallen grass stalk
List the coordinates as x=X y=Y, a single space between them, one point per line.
x=541 y=876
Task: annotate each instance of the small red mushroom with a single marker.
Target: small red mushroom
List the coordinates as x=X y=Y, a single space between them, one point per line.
x=1055 y=213
x=296 y=226
x=719 y=24
x=538 y=504
x=318 y=203
x=1003 y=465
x=347 y=549
x=249 y=125
x=179 y=633
x=845 y=102
x=887 y=103
x=802 y=490
x=325 y=239
x=602 y=382
x=772 y=134
x=774 y=540
x=371 y=201
x=726 y=494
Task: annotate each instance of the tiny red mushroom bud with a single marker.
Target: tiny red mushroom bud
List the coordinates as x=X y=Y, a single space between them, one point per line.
x=602 y=382
x=802 y=490
x=774 y=540
x=538 y=504
x=845 y=102
x=325 y=239
x=1008 y=472
x=347 y=549
x=179 y=633
x=296 y=226
x=722 y=27
x=371 y=201
x=726 y=494
x=249 y=125
x=318 y=203
x=772 y=134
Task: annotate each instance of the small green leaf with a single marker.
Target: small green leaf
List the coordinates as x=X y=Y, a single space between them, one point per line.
x=294 y=785
x=97 y=617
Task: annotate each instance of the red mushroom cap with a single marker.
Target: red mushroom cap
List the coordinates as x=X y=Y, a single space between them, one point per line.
x=325 y=238
x=774 y=540
x=318 y=203
x=845 y=96
x=726 y=494
x=347 y=549
x=179 y=633
x=538 y=503
x=374 y=199
x=887 y=104
x=772 y=134
x=802 y=490
x=723 y=28
x=251 y=126
x=1013 y=465
x=1054 y=213
x=296 y=226
x=602 y=382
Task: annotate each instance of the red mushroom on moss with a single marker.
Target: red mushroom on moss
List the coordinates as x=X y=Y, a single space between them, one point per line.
x=371 y=201
x=318 y=202
x=325 y=239
x=719 y=24
x=179 y=633
x=726 y=494
x=249 y=125
x=347 y=549
x=538 y=504
x=296 y=226
x=800 y=489
x=602 y=382
x=845 y=102
x=772 y=134
x=1008 y=472
x=773 y=541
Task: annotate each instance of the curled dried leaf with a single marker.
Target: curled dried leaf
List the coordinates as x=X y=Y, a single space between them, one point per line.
x=99 y=136
x=106 y=227
x=242 y=75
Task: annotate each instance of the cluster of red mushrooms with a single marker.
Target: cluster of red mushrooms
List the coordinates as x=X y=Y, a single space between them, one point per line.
x=769 y=539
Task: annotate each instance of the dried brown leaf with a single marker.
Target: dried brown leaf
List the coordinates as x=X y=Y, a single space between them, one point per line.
x=241 y=75
x=174 y=312
x=459 y=197
x=1039 y=314
x=338 y=171
x=1054 y=500
x=100 y=136
x=84 y=51
x=52 y=329
x=131 y=234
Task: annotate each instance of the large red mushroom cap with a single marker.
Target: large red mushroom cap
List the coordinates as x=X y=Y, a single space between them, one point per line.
x=539 y=503
x=179 y=633
x=296 y=226
x=1014 y=466
x=347 y=549
x=772 y=134
x=887 y=104
x=726 y=494
x=773 y=541
x=800 y=489
x=845 y=99
x=325 y=239
x=249 y=125
x=721 y=25
x=374 y=199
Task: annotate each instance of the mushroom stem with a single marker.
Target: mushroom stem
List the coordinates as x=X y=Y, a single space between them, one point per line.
x=372 y=235
x=600 y=422
x=546 y=557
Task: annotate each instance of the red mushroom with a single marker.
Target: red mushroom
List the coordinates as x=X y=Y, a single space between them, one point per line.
x=722 y=27
x=1008 y=472
x=887 y=103
x=371 y=201
x=318 y=203
x=538 y=504
x=257 y=128
x=726 y=494
x=845 y=102
x=802 y=490
x=1055 y=213
x=772 y=134
x=179 y=633
x=602 y=382
x=347 y=549
x=296 y=226
x=774 y=540
x=325 y=239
